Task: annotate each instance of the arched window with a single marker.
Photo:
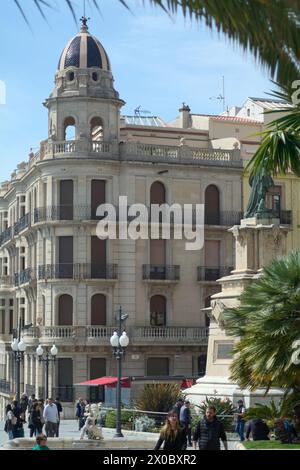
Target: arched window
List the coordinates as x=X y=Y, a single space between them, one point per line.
x=96 y=129
x=158 y=310
x=98 y=310
x=65 y=310
x=212 y=205
x=69 y=129
x=157 y=193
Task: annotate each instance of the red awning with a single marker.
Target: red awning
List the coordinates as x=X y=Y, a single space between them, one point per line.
x=108 y=381
x=187 y=383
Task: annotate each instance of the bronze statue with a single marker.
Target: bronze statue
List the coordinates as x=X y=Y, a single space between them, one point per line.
x=260 y=183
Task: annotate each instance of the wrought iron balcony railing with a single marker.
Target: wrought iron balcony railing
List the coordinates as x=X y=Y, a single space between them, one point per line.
x=5 y=386
x=161 y=272
x=65 y=212
x=22 y=224
x=25 y=276
x=6 y=236
x=226 y=218
x=79 y=271
x=208 y=273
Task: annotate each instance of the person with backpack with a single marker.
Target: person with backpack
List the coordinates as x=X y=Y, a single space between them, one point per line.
x=259 y=430
x=10 y=421
x=17 y=430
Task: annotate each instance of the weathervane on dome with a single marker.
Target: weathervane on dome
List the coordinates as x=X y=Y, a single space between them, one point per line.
x=84 y=20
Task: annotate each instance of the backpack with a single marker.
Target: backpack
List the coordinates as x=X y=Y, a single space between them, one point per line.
x=8 y=425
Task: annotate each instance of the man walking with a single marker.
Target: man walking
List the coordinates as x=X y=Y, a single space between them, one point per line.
x=51 y=418
x=59 y=410
x=186 y=421
x=177 y=407
x=240 y=420
x=209 y=431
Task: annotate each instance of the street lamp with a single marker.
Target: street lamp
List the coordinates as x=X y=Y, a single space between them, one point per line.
x=119 y=341
x=47 y=359
x=19 y=347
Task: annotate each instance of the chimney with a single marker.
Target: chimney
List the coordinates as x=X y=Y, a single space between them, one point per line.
x=185 y=121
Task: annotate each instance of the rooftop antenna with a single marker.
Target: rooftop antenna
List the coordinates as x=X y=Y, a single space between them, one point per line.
x=138 y=111
x=221 y=96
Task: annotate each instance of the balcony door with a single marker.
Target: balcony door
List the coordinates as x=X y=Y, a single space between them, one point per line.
x=64 y=389
x=97 y=196
x=66 y=258
x=66 y=200
x=65 y=310
x=98 y=310
x=97 y=370
x=212 y=205
x=157 y=259
x=98 y=258
x=212 y=260
x=158 y=311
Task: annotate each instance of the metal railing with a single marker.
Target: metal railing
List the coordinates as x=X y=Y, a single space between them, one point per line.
x=5 y=386
x=25 y=276
x=65 y=393
x=226 y=218
x=6 y=236
x=22 y=224
x=81 y=271
x=161 y=272
x=213 y=273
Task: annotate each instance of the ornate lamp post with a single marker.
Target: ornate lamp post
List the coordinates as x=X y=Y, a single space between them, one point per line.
x=119 y=342
x=49 y=357
x=19 y=347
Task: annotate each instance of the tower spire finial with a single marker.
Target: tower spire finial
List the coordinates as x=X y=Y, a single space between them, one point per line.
x=84 y=20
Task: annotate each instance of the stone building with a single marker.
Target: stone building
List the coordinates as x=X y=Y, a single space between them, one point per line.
x=58 y=275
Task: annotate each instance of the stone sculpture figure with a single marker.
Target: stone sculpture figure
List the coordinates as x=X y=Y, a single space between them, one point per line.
x=260 y=183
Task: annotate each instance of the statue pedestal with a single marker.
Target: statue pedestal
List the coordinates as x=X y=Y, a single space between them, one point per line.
x=257 y=242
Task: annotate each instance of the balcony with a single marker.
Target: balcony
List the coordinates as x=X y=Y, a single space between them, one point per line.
x=6 y=281
x=224 y=218
x=6 y=236
x=24 y=277
x=77 y=147
x=65 y=393
x=161 y=272
x=167 y=335
x=211 y=274
x=64 y=212
x=78 y=271
x=183 y=154
x=22 y=224
x=5 y=386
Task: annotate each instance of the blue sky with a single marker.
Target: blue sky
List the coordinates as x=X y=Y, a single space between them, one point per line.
x=157 y=62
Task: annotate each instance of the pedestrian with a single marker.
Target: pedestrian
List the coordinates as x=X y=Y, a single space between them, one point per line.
x=35 y=420
x=10 y=421
x=259 y=430
x=59 y=410
x=80 y=410
x=31 y=400
x=209 y=431
x=51 y=418
x=240 y=420
x=177 y=407
x=17 y=430
x=172 y=434
x=186 y=422
x=41 y=441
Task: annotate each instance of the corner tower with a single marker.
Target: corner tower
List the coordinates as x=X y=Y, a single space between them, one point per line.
x=84 y=104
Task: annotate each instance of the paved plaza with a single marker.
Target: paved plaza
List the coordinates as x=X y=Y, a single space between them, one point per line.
x=69 y=429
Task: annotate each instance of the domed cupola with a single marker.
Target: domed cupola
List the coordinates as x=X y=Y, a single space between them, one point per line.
x=84 y=51
x=84 y=97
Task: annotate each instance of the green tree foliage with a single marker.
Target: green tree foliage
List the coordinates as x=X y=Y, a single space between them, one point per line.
x=158 y=397
x=267 y=322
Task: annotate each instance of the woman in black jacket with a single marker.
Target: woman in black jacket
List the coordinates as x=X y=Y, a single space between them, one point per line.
x=172 y=435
